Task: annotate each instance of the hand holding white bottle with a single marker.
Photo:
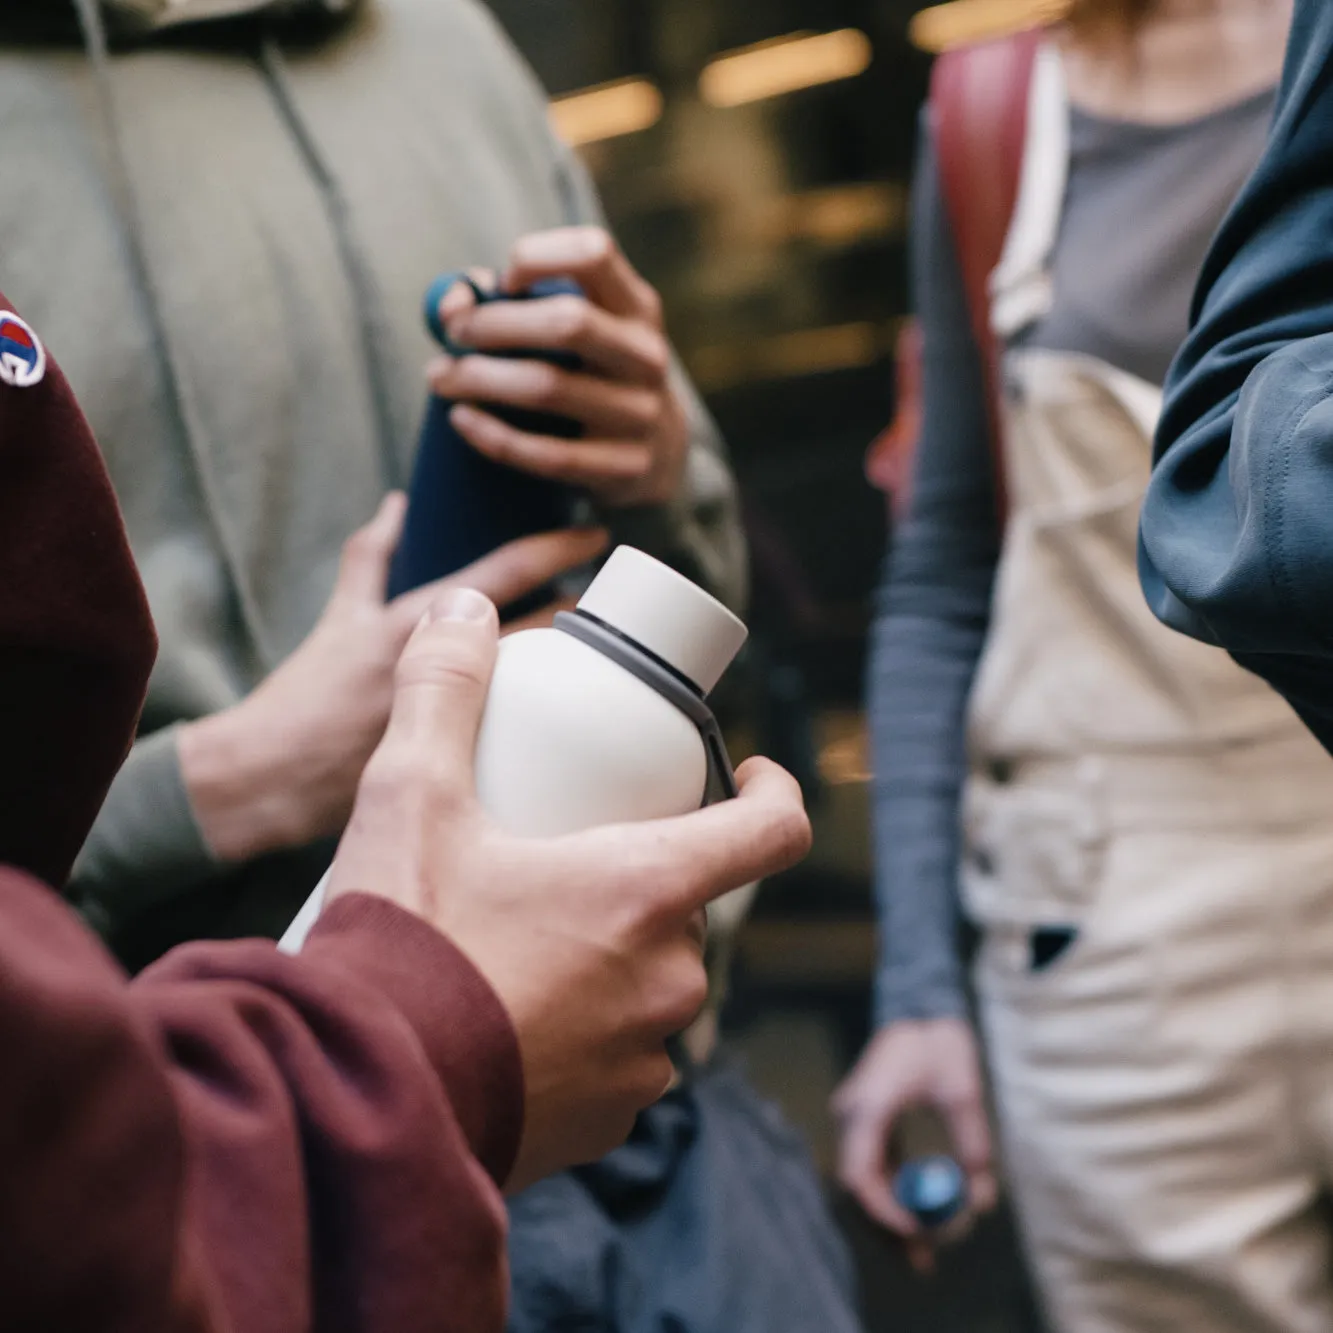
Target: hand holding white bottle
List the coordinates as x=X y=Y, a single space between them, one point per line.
x=602 y=720
x=587 y=938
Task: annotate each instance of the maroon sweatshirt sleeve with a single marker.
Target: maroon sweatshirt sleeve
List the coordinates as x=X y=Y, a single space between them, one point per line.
x=237 y=1142
x=247 y=1142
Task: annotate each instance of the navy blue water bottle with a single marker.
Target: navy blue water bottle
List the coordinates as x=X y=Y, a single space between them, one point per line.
x=462 y=505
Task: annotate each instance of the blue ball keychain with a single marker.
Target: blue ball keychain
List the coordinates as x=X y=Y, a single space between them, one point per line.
x=933 y=1189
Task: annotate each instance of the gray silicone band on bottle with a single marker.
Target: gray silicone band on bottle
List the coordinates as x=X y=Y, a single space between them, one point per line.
x=675 y=688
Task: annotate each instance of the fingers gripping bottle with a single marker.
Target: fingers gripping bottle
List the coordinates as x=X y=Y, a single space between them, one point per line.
x=463 y=505
x=603 y=719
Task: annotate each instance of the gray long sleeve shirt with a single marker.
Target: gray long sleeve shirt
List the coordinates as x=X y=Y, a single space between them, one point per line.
x=1122 y=294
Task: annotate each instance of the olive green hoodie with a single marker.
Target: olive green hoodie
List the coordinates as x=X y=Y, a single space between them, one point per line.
x=223 y=229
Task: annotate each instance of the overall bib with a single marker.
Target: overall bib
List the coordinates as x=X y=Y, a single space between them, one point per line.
x=1148 y=836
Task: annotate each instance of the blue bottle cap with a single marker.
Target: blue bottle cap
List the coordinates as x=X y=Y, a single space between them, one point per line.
x=436 y=293
x=932 y=1189
x=439 y=289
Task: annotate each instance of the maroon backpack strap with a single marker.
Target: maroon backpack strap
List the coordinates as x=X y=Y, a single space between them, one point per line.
x=979 y=119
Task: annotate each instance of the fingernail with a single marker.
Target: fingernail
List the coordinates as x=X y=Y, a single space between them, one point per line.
x=456 y=298
x=594 y=242
x=460 y=604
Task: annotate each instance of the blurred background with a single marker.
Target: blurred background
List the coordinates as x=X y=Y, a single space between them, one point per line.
x=755 y=160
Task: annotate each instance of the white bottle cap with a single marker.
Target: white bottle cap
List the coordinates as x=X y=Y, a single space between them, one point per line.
x=664 y=612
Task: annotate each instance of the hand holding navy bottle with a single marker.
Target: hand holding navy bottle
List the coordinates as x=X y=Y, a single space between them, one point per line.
x=556 y=384
x=463 y=504
x=634 y=431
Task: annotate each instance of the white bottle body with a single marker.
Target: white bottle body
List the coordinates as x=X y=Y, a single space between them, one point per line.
x=570 y=741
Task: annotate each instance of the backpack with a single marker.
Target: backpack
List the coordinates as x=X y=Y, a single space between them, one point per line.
x=978 y=112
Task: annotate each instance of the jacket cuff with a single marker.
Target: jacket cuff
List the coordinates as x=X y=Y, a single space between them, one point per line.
x=462 y=1025
x=146 y=846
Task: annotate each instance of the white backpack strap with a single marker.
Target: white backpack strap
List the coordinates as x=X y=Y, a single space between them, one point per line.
x=1021 y=287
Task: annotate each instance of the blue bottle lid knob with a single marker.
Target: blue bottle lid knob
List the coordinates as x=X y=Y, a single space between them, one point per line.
x=439 y=289
x=932 y=1189
x=436 y=293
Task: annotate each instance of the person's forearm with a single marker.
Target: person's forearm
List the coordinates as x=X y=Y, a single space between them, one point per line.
x=921 y=673
x=175 y=1148
x=926 y=645
x=933 y=619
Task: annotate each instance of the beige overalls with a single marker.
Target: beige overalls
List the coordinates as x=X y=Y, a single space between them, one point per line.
x=1165 y=1084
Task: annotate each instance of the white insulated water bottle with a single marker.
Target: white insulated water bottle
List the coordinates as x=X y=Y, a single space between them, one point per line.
x=602 y=719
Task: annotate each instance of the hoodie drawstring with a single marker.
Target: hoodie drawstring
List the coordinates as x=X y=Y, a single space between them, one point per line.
x=182 y=403
x=372 y=324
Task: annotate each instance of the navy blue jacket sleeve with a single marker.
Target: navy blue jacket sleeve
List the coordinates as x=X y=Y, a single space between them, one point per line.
x=933 y=617
x=1237 y=532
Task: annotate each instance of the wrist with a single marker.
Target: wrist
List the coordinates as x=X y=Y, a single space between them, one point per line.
x=236 y=785
x=918 y=993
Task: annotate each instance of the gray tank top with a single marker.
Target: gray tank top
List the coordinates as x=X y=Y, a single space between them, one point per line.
x=1125 y=265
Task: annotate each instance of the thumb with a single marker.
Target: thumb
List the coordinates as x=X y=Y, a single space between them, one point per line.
x=363 y=574
x=764 y=831
x=441 y=685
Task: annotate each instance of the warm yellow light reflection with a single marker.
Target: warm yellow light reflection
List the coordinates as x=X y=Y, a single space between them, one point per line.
x=845 y=761
x=832 y=218
x=784 y=65
x=811 y=351
x=607 y=111
x=962 y=22
x=791 y=355
x=847 y=214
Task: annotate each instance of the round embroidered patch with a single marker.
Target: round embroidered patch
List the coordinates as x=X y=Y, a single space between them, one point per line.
x=22 y=356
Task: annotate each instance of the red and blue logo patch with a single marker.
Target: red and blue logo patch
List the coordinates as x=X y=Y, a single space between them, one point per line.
x=22 y=356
